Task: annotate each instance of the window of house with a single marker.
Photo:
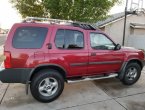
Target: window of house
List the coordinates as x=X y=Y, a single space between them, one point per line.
x=69 y=39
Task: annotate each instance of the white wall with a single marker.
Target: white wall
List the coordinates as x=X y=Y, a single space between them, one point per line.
x=115 y=31
x=137 y=41
x=138 y=32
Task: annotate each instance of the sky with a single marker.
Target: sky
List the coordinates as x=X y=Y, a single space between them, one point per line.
x=9 y=15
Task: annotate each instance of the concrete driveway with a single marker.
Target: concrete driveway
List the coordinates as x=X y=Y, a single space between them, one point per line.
x=108 y=94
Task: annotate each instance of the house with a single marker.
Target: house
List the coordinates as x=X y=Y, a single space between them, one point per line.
x=135 y=29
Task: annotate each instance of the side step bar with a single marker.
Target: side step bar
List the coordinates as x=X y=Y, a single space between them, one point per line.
x=92 y=78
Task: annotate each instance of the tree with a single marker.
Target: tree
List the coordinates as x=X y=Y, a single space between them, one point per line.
x=77 y=10
x=29 y=7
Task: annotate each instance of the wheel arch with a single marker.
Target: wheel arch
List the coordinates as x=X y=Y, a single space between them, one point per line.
x=137 y=61
x=122 y=70
x=48 y=66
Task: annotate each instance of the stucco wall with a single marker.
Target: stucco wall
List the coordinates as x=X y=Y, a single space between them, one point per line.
x=137 y=41
x=115 y=30
x=138 y=32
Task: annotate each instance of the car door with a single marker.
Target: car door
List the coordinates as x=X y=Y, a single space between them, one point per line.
x=102 y=56
x=69 y=50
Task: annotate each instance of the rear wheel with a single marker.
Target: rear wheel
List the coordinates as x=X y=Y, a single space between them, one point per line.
x=47 y=85
x=132 y=74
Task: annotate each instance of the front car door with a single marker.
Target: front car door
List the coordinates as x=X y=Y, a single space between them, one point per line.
x=103 y=59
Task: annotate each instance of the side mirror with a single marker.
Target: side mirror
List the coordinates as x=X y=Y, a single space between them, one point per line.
x=117 y=47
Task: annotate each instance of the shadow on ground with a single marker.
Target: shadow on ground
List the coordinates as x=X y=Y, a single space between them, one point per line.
x=115 y=89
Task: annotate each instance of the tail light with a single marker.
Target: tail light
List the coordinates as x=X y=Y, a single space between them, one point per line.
x=7 y=61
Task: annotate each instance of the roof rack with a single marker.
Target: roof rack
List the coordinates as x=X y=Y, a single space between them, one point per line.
x=82 y=25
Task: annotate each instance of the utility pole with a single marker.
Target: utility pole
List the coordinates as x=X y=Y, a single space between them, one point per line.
x=124 y=31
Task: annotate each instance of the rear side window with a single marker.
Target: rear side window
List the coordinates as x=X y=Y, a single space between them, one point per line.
x=29 y=37
x=69 y=39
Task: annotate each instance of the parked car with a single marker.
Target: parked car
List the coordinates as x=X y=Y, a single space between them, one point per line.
x=45 y=56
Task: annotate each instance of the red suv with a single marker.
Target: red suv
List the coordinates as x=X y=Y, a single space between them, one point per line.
x=45 y=55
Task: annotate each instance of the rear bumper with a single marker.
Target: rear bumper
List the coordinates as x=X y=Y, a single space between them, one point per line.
x=14 y=75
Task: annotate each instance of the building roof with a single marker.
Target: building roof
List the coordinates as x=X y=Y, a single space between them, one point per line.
x=111 y=18
x=116 y=17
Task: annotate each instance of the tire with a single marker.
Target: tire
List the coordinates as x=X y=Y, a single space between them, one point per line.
x=47 y=85
x=132 y=73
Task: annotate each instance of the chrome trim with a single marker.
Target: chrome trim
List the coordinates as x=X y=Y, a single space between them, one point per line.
x=91 y=79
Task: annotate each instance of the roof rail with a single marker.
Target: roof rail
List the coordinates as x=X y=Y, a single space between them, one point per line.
x=86 y=26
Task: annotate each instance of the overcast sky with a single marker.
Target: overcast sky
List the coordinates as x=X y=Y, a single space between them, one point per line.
x=9 y=15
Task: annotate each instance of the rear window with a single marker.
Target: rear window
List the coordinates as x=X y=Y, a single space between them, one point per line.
x=29 y=37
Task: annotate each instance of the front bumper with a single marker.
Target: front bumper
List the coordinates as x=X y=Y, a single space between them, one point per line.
x=15 y=75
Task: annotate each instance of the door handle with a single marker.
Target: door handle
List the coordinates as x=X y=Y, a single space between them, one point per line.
x=49 y=45
x=93 y=54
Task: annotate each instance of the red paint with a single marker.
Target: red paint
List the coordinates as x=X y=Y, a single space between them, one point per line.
x=30 y=58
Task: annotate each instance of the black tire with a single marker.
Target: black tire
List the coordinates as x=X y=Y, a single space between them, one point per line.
x=39 y=77
x=131 y=79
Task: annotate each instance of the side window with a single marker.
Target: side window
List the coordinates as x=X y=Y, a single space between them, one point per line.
x=69 y=39
x=29 y=37
x=101 y=42
x=60 y=39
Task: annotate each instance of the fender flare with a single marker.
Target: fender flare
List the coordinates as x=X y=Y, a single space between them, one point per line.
x=122 y=70
x=46 y=65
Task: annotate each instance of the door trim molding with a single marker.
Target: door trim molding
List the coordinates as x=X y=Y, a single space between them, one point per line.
x=78 y=64
x=95 y=63
x=104 y=62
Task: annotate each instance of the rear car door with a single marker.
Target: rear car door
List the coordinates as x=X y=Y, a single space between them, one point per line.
x=69 y=50
x=102 y=56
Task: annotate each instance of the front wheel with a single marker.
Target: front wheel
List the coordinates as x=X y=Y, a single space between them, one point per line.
x=47 y=85
x=132 y=74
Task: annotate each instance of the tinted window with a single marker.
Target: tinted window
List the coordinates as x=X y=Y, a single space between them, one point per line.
x=101 y=42
x=29 y=37
x=69 y=39
x=59 y=40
